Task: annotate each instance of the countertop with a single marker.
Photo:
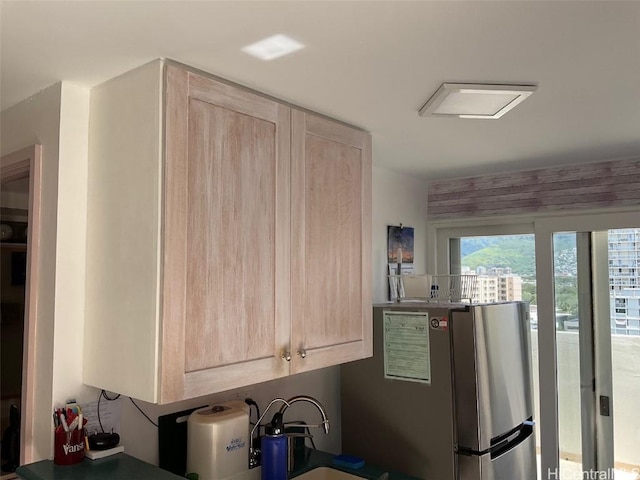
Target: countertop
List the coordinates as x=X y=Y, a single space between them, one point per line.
x=125 y=467
x=117 y=467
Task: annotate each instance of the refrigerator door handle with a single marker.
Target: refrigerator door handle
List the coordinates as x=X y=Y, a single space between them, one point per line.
x=513 y=441
x=505 y=442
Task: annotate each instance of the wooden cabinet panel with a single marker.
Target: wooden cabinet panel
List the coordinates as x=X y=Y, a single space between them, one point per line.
x=225 y=264
x=331 y=249
x=230 y=237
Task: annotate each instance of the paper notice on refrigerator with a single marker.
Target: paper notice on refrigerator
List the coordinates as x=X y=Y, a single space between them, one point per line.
x=407 y=353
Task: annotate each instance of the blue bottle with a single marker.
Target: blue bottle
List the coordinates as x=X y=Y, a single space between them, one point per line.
x=274 y=450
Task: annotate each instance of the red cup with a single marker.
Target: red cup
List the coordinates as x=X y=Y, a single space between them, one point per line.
x=69 y=447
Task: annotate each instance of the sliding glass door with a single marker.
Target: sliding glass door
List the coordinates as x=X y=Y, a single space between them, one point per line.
x=590 y=371
x=585 y=302
x=623 y=283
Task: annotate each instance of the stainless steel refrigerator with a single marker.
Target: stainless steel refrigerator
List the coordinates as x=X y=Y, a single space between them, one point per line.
x=447 y=394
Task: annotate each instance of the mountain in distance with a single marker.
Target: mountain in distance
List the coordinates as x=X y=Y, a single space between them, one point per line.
x=517 y=252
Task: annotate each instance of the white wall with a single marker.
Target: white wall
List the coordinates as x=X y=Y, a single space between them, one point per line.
x=57 y=118
x=70 y=252
x=397 y=199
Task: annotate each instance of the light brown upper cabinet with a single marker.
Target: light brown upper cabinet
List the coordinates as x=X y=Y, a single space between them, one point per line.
x=217 y=257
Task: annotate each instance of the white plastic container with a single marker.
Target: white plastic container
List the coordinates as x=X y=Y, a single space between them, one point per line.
x=218 y=441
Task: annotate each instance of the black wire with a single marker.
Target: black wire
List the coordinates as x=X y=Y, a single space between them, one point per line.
x=145 y=415
x=100 y=421
x=103 y=393
x=252 y=403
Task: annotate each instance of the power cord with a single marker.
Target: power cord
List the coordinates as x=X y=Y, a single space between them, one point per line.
x=252 y=403
x=145 y=415
x=103 y=394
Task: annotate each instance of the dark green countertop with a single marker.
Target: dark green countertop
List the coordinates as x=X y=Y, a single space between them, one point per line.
x=125 y=467
x=118 y=467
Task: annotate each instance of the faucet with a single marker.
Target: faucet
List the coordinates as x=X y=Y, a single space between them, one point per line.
x=313 y=401
x=254 y=453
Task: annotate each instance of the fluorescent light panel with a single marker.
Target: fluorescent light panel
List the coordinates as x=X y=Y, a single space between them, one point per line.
x=472 y=100
x=273 y=47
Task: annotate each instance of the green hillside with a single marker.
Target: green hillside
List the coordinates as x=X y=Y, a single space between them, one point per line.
x=516 y=252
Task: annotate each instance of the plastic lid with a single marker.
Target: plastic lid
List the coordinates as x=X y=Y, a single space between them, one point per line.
x=213 y=410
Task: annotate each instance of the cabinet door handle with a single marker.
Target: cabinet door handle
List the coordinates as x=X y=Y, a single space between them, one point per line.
x=287 y=356
x=302 y=352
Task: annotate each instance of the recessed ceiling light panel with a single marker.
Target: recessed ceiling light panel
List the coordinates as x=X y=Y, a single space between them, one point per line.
x=473 y=100
x=273 y=47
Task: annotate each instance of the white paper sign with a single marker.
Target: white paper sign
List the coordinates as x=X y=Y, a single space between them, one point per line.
x=110 y=415
x=407 y=352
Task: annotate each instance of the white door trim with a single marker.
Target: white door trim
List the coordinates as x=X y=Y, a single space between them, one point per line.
x=21 y=164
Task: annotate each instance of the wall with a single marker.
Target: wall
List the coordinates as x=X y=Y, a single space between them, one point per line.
x=397 y=199
x=56 y=118
x=71 y=244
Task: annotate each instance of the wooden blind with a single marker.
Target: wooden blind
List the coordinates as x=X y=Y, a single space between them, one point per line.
x=596 y=185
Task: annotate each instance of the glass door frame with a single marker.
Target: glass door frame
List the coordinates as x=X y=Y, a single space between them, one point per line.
x=440 y=234
x=544 y=228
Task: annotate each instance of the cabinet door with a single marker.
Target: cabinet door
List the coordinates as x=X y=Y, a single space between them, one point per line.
x=226 y=219
x=331 y=243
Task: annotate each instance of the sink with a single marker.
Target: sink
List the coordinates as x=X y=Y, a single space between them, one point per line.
x=327 y=473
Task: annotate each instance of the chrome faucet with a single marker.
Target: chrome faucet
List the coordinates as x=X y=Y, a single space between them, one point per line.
x=291 y=436
x=254 y=453
x=313 y=401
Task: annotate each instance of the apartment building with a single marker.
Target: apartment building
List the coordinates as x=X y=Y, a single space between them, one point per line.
x=497 y=285
x=624 y=280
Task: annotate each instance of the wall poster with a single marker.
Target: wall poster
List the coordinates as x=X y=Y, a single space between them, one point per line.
x=399 y=257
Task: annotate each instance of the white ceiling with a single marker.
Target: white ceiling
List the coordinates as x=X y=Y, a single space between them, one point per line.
x=372 y=64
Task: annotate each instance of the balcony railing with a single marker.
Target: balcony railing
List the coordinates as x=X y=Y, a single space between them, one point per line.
x=626 y=387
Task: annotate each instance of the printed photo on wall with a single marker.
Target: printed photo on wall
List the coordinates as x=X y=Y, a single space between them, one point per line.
x=399 y=258
x=399 y=244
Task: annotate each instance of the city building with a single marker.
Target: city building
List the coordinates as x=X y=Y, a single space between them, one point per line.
x=497 y=285
x=624 y=280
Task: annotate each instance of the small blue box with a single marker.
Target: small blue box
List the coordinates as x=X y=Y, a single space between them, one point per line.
x=348 y=461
